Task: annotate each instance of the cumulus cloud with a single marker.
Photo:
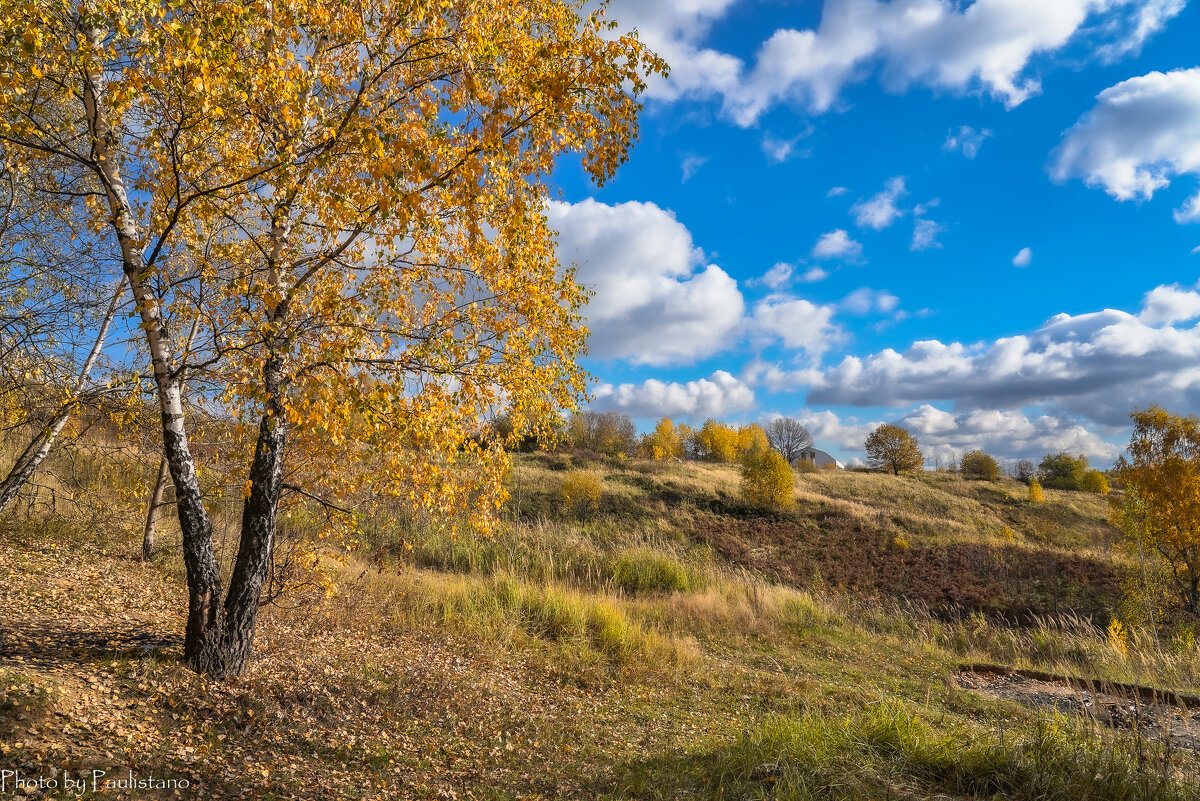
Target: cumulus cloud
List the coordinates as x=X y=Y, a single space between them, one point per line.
x=1141 y=135
x=814 y=274
x=1023 y=258
x=1170 y=304
x=1098 y=365
x=832 y=432
x=1007 y=434
x=984 y=45
x=880 y=211
x=966 y=140
x=797 y=323
x=719 y=395
x=655 y=299
x=674 y=29
x=837 y=244
x=837 y=191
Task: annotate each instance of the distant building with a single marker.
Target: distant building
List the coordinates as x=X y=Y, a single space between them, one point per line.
x=820 y=458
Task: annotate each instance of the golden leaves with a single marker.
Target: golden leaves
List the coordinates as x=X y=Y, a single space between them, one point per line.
x=355 y=194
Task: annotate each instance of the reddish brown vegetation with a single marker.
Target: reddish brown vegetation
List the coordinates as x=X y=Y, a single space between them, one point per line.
x=845 y=554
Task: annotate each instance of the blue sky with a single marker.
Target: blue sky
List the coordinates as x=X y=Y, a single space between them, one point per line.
x=973 y=218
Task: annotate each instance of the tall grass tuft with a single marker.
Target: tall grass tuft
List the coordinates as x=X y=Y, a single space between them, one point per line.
x=644 y=570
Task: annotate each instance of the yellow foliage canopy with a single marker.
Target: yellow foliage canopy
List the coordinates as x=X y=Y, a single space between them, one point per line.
x=767 y=479
x=1160 y=508
x=665 y=442
x=349 y=196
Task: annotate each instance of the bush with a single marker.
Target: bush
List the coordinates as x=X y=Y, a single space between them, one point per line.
x=767 y=479
x=1062 y=470
x=1023 y=471
x=806 y=466
x=580 y=492
x=1035 y=491
x=1094 y=481
x=977 y=464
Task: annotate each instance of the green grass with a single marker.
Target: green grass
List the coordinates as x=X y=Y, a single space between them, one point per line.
x=645 y=570
x=893 y=750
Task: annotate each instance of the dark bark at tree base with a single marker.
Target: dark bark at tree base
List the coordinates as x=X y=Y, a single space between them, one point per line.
x=220 y=643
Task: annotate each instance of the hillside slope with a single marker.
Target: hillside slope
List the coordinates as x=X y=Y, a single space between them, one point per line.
x=668 y=642
x=933 y=538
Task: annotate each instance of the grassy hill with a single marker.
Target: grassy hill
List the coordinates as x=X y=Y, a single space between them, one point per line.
x=666 y=641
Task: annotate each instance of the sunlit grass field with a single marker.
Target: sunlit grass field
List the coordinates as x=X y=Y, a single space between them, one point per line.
x=659 y=638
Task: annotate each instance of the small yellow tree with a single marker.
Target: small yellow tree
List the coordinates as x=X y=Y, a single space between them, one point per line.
x=1035 y=492
x=716 y=442
x=664 y=443
x=750 y=437
x=1160 y=508
x=767 y=479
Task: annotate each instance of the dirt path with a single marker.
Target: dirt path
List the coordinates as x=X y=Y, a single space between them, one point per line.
x=1176 y=725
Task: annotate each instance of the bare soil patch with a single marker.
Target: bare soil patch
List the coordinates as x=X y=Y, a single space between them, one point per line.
x=1168 y=719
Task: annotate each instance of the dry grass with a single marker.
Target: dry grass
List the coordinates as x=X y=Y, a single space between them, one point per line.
x=671 y=641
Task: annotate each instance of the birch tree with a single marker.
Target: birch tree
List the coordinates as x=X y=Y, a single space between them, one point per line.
x=349 y=199
x=57 y=307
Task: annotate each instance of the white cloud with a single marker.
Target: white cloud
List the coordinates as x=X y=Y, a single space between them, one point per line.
x=656 y=301
x=780 y=150
x=925 y=234
x=1148 y=19
x=1023 y=258
x=797 y=323
x=814 y=274
x=1007 y=434
x=1142 y=133
x=674 y=30
x=985 y=45
x=778 y=277
x=837 y=244
x=761 y=373
x=1098 y=365
x=830 y=431
x=690 y=164
x=1170 y=304
x=837 y=191
x=966 y=140
x=865 y=301
x=718 y=395
x=880 y=211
